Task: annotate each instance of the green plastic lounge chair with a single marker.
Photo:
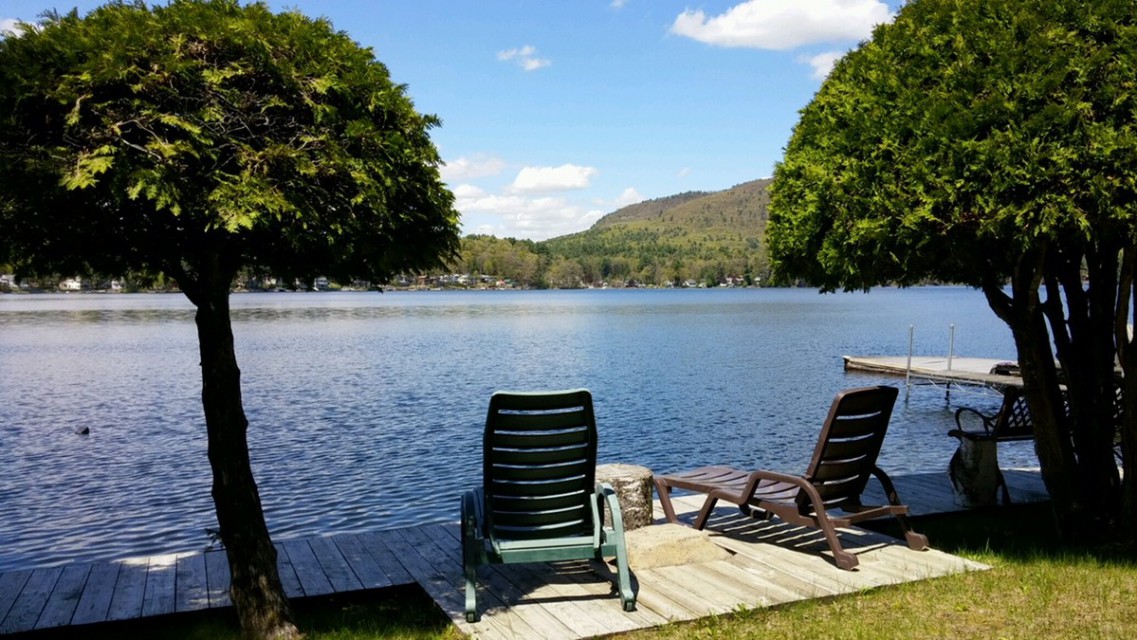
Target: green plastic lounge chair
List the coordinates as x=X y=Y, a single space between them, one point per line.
x=844 y=458
x=539 y=501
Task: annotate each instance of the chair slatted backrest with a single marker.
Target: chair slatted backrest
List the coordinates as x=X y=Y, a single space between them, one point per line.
x=1013 y=421
x=849 y=443
x=539 y=465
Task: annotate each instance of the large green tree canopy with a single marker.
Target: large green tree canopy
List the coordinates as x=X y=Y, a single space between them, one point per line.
x=958 y=137
x=197 y=139
x=993 y=143
x=136 y=138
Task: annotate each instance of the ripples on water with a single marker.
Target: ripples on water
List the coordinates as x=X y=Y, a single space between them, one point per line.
x=366 y=410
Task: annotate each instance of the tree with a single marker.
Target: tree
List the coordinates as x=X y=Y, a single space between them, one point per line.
x=993 y=142
x=197 y=139
x=564 y=273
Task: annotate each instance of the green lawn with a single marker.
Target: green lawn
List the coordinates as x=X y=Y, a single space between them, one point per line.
x=1037 y=588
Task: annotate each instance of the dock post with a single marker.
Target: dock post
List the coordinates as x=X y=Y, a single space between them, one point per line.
x=908 y=370
x=950 y=354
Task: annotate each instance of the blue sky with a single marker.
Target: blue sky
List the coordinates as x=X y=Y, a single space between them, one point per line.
x=557 y=112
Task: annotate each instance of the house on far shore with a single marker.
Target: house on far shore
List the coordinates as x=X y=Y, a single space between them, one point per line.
x=7 y=282
x=71 y=284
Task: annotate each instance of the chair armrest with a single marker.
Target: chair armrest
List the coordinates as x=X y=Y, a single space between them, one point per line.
x=987 y=420
x=605 y=492
x=756 y=477
x=473 y=525
x=801 y=483
x=472 y=513
x=886 y=484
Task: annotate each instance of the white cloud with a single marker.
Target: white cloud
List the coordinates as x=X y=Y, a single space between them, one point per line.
x=683 y=173
x=784 y=24
x=619 y=4
x=518 y=216
x=7 y=26
x=525 y=57
x=468 y=192
x=478 y=166
x=546 y=179
x=822 y=63
x=629 y=196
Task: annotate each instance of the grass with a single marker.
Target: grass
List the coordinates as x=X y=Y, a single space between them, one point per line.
x=1037 y=587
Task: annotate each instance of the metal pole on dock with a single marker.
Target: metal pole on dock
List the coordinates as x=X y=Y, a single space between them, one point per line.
x=908 y=370
x=950 y=354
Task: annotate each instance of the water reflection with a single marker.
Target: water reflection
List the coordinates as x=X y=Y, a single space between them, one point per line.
x=359 y=401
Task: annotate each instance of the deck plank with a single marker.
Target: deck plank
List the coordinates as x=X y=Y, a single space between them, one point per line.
x=191 y=587
x=664 y=580
x=129 y=590
x=217 y=578
x=64 y=598
x=375 y=542
x=336 y=568
x=446 y=586
x=11 y=585
x=511 y=587
x=309 y=572
x=26 y=610
x=370 y=574
x=649 y=597
x=95 y=603
x=790 y=576
x=288 y=577
x=765 y=587
x=161 y=584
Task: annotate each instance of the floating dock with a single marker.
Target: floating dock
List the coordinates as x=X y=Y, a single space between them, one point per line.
x=937 y=370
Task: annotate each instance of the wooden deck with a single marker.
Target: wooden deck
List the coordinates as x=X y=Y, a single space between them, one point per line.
x=770 y=563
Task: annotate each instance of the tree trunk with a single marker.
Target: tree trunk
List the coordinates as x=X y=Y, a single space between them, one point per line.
x=256 y=590
x=1127 y=355
x=1023 y=313
x=1075 y=448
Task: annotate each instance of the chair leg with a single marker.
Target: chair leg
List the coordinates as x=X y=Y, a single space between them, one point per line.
x=624 y=576
x=471 y=595
x=1001 y=483
x=615 y=536
x=705 y=512
x=664 y=493
x=916 y=541
x=469 y=555
x=844 y=559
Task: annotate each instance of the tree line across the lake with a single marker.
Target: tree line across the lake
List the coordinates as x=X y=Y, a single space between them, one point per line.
x=693 y=239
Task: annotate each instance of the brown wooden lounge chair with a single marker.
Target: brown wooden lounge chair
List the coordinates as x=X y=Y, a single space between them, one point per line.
x=844 y=458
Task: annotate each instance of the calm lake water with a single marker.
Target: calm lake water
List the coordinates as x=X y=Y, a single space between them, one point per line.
x=366 y=409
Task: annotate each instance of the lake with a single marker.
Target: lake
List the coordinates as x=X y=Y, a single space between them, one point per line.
x=366 y=409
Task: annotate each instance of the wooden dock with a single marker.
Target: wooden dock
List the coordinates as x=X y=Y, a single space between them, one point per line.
x=770 y=563
x=936 y=369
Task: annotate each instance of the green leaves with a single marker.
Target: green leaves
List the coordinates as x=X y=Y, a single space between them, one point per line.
x=269 y=137
x=959 y=137
x=88 y=166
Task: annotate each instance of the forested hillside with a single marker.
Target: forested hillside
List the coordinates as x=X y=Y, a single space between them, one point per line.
x=690 y=238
